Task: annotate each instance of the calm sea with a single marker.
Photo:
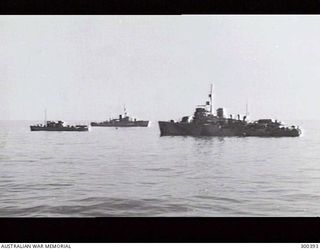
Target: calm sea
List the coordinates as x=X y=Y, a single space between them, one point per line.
x=135 y=172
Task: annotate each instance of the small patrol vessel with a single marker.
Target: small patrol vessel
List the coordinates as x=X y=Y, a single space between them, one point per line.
x=122 y=121
x=58 y=126
x=205 y=123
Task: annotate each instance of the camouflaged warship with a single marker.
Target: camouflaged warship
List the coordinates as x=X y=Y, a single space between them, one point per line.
x=205 y=123
x=58 y=126
x=122 y=121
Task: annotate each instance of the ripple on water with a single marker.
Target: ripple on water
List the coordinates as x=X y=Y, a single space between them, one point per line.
x=135 y=172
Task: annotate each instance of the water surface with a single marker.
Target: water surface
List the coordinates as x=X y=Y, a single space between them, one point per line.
x=135 y=172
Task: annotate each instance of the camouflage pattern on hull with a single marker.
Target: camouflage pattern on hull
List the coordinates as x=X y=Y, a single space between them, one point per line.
x=120 y=124
x=193 y=129
x=76 y=129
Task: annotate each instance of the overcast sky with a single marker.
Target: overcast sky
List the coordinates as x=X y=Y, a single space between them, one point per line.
x=160 y=67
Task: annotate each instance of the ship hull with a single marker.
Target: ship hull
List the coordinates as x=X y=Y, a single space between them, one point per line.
x=193 y=129
x=121 y=124
x=71 y=129
x=274 y=133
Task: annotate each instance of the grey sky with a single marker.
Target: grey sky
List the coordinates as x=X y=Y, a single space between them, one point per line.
x=88 y=67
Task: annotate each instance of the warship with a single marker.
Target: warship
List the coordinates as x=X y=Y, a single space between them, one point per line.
x=58 y=126
x=122 y=121
x=205 y=123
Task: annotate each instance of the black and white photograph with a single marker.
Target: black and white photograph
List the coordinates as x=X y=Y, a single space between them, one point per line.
x=159 y=116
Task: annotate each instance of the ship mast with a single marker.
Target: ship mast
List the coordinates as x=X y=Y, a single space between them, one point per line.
x=210 y=96
x=125 y=111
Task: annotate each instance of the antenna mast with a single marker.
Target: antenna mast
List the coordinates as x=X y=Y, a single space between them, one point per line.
x=210 y=96
x=125 y=111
